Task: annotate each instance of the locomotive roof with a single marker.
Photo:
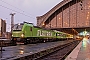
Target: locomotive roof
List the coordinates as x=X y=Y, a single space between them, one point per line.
x=36 y=26
x=41 y=28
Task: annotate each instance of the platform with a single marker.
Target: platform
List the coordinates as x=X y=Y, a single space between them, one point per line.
x=81 y=52
x=15 y=52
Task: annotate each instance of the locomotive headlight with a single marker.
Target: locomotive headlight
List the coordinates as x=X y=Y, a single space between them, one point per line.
x=22 y=35
x=12 y=35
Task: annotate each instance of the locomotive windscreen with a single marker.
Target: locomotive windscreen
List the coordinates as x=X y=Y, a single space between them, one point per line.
x=18 y=26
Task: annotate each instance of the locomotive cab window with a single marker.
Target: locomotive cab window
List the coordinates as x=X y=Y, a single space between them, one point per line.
x=18 y=27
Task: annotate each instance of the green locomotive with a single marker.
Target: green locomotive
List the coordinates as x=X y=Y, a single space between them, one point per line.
x=28 y=33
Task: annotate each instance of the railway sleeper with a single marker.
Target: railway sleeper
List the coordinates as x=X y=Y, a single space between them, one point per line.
x=60 y=48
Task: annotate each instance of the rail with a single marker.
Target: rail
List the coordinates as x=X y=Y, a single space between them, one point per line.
x=60 y=53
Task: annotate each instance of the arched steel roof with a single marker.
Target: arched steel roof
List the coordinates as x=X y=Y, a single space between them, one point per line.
x=49 y=13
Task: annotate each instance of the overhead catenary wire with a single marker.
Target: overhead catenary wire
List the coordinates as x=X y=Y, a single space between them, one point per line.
x=17 y=11
x=15 y=7
x=10 y=5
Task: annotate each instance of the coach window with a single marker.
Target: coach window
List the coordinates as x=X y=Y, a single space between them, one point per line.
x=61 y=35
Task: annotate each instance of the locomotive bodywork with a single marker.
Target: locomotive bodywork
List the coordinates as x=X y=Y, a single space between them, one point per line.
x=28 y=33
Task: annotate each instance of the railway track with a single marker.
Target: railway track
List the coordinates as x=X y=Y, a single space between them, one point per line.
x=62 y=53
x=41 y=51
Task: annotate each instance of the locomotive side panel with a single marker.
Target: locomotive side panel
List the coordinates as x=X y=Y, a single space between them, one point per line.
x=28 y=33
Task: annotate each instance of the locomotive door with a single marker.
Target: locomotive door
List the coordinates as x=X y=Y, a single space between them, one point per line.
x=31 y=31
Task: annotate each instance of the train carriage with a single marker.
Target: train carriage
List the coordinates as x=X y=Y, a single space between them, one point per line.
x=61 y=35
x=28 y=33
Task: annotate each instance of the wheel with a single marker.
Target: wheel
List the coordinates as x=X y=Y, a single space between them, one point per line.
x=13 y=42
x=25 y=42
